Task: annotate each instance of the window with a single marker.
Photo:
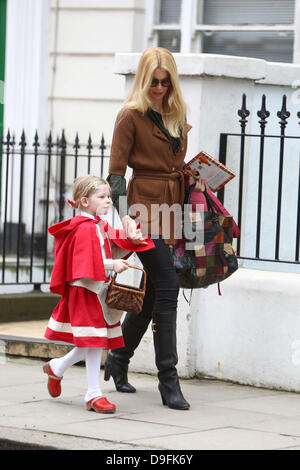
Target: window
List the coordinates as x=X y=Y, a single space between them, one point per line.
x=274 y=47
x=246 y=11
x=167 y=19
x=168 y=11
x=250 y=28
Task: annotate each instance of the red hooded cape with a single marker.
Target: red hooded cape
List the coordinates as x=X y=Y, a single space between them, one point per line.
x=77 y=251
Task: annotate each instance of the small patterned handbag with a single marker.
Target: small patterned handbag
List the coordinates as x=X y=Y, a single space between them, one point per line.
x=212 y=258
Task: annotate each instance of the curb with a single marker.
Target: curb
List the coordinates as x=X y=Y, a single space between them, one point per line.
x=32 y=347
x=37 y=348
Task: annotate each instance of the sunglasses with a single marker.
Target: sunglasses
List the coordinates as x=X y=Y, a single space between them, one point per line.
x=165 y=82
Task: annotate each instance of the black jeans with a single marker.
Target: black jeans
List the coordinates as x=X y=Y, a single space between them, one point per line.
x=162 y=286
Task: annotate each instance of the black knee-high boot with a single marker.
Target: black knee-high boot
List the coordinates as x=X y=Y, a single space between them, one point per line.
x=164 y=337
x=116 y=365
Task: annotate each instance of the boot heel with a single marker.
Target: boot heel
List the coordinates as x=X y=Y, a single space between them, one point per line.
x=163 y=400
x=107 y=373
x=118 y=372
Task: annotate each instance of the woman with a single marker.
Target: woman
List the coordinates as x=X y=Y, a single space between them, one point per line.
x=150 y=136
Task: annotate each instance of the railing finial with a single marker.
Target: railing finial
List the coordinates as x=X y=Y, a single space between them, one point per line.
x=243 y=113
x=283 y=114
x=263 y=114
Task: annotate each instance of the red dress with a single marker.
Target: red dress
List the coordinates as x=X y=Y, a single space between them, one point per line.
x=79 y=317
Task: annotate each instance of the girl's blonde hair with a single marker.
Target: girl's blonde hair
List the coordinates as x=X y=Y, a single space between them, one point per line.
x=173 y=103
x=85 y=186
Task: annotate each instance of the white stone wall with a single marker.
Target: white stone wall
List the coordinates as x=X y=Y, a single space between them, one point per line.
x=59 y=75
x=251 y=334
x=84 y=94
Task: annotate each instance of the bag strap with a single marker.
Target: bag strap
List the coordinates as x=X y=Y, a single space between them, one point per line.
x=134 y=267
x=188 y=193
x=207 y=197
x=209 y=203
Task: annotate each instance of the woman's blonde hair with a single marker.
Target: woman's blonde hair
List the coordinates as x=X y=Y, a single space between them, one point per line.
x=85 y=186
x=173 y=103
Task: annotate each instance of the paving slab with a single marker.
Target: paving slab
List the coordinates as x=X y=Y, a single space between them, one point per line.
x=224 y=439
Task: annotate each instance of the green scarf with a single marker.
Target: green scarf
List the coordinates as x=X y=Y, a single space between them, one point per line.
x=158 y=121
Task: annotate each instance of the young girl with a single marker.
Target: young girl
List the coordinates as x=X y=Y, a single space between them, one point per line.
x=84 y=248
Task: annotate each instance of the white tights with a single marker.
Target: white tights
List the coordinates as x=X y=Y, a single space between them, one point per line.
x=92 y=357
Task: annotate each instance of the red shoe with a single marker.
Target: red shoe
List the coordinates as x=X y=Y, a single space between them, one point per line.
x=100 y=405
x=54 y=386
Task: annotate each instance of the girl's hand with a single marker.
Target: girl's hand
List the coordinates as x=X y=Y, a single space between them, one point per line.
x=133 y=234
x=120 y=265
x=200 y=184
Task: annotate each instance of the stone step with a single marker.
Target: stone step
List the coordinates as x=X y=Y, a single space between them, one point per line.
x=32 y=347
x=25 y=339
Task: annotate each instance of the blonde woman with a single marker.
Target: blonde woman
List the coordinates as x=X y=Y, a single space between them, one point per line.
x=150 y=136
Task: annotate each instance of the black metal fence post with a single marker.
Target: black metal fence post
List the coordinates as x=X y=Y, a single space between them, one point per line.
x=102 y=150
x=36 y=145
x=243 y=113
x=50 y=145
x=22 y=158
x=298 y=220
x=263 y=114
x=63 y=146
x=283 y=114
x=222 y=159
x=76 y=147
x=89 y=149
x=8 y=144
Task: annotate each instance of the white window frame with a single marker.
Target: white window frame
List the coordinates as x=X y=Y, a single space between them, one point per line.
x=192 y=32
x=185 y=26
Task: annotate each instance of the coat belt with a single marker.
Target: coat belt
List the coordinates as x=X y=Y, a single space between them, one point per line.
x=173 y=178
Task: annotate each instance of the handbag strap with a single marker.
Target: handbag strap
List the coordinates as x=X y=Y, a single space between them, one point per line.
x=207 y=197
x=134 y=267
x=188 y=193
x=209 y=203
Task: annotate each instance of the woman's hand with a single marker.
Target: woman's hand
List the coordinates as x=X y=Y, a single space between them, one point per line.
x=133 y=234
x=120 y=265
x=200 y=184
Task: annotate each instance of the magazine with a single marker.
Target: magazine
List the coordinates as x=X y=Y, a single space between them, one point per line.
x=209 y=169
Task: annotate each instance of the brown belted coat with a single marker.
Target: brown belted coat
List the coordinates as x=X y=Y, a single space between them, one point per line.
x=157 y=173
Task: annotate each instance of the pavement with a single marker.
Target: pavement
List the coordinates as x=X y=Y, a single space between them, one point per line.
x=223 y=415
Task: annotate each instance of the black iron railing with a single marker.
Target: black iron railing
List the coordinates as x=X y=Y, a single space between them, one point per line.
x=38 y=177
x=283 y=156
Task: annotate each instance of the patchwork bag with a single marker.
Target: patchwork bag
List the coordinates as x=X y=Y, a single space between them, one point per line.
x=212 y=257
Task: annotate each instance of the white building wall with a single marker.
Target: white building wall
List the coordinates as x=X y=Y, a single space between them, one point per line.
x=59 y=75
x=84 y=94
